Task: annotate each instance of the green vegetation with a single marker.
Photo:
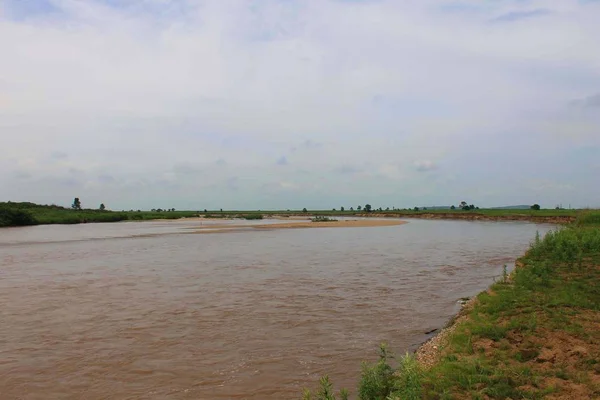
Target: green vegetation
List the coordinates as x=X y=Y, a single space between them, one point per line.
x=532 y=334
x=14 y=217
x=322 y=218
x=21 y=214
x=252 y=216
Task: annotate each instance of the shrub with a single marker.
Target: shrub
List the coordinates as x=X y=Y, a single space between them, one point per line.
x=10 y=217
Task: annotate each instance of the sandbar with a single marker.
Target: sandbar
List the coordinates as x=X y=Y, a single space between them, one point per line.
x=362 y=223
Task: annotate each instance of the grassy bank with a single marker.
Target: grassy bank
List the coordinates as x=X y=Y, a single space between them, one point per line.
x=534 y=335
x=22 y=214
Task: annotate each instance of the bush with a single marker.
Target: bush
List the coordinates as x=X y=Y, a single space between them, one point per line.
x=376 y=382
x=321 y=218
x=11 y=217
x=252 y=216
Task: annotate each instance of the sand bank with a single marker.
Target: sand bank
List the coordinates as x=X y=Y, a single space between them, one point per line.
x=363 y=223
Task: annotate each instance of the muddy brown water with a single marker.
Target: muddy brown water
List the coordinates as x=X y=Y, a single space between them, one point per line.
x=147 y=311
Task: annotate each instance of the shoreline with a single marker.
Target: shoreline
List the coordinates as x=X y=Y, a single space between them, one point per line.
x=534 y=334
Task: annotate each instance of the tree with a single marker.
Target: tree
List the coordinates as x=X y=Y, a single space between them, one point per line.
x=102 y=207
x=463 y=204
x=359 y=208
x=76 y=204
x=416 y=209
x=535 y=207
x=452 y=208
x=387 y=209
x=304 y=210
x=368 y=207
x=351 y=208
x=342 y=209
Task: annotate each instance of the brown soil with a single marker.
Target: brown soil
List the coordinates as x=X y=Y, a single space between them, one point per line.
x=472 y=216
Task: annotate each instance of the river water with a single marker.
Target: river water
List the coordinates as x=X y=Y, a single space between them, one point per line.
x=145 y=310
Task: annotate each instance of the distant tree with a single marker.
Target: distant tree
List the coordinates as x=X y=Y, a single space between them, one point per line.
x=472 y=207
x=368 y=207
x=342 y=209
x=159 y=210
x=205 y=211
x=416 y=209
x=139 y=210
x=452 y=208
x=463 y=204
x=351 y=208
x=380 y=209
x=76 y=204
x=304 y=210
x=333 y=209
x=535 y=207
x=173 y=209
x=102 y=207
x=359 y=208
x=153 y=210
x=424 y=208
x=221 y=210
x=387 y=209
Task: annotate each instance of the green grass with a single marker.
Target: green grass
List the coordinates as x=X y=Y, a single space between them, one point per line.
x=550 y=304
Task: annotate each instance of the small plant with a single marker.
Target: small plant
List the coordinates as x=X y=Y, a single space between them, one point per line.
x=377 y=380
x=322 y=218
x=325 y=391
x=504 y=274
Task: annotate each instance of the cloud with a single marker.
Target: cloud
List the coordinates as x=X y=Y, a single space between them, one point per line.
x=425 y=165
x=59 y=155
x=197 y=103
x=520 y=15
x=588 y=102
x=348 y=169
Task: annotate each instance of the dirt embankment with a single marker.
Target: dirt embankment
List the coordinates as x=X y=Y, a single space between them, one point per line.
x=469 y=216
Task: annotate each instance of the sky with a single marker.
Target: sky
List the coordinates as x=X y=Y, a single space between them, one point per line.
x=285 y=104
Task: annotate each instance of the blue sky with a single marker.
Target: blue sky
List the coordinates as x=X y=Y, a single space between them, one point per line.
x=289 y=104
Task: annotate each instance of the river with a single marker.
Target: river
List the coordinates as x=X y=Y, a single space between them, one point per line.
x=146 y=310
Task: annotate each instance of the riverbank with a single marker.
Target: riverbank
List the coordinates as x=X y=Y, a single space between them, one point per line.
x=23 y=214
x=535 y=334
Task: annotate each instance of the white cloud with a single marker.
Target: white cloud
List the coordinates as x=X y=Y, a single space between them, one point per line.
x=349 y=94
